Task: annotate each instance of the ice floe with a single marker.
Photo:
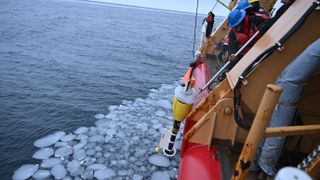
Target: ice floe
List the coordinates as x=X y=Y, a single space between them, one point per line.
x=49 y=140
x=119 y=146
x=58 y=171
x=25 y=171
x=43 y=153
x=159 y=160
x=41 y=174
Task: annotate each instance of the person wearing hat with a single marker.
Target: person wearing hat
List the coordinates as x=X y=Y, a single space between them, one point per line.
x=257 y=16
x=242 y=29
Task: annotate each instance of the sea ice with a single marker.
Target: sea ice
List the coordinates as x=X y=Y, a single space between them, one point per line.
x=166 y=104
x=49 y=140
x=59 y=144
x=96 y=138
x=107 y=155
x=81 y=130
x=74 y=167
x=25 y=171
x=99 y=116
x=104 y=173
x=49 y=163
x=63 y=151
x=122 y=172
x=137 y=177
x=90 y=152
x=96 y=166
x=68 y=137
x=79 y=154
x=111 y=132
x=113 y=107
x=43 y=153
x=87 y=174
x=81 y=137
x=98 y=154
x=88 y=161
x=159 y=160
x=98 y=148
x=160 y=175
x=101 y=160
x=41 y=174
x=58 y=171
x=160 y=113
x=79 y=145
x=111 y=115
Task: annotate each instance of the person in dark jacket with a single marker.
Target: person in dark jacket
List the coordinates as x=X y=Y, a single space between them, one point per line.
x=258 y=17
x=267 y=24
x=207 y=26
x=242 y=29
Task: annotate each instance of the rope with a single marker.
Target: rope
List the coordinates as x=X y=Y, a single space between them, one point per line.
x=214 y=6
x=195 y=29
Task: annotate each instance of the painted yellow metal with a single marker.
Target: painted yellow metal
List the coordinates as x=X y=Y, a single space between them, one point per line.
x=180 y=110
x=256 y=133
x=267 y=72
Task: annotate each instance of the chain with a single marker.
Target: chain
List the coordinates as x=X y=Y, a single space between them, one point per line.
x=309 y=159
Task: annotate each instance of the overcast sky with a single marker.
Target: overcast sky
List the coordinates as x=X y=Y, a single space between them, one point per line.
x=178 y=5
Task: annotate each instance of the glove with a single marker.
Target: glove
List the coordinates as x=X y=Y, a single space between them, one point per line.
x=233 y=58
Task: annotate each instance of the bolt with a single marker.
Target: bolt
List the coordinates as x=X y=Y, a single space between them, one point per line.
x=228 y=111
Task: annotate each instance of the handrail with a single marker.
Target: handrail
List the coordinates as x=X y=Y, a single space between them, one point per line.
x=292 y=130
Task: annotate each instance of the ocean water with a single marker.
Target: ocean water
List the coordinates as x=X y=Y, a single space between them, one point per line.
x=64 y=62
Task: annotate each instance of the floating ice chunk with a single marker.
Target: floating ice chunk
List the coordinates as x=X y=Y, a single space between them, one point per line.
x=43 y=153
x=41 y=174
x=111 y=132
x=81 y=137
x=159 y=175
x=166 y=104
x=159 y=160
x=157 y=126
x=99 y=116
x=140 y=152
x=107 y=155
x=87 y=174
x=90 y=152
x=104 y=173
x=79 y=154
x=73 y=164
x=88 y=161
x=25 y=171
x=67 y=178
x=79 y=145
x=98 y=148
x=160 y=113
x=68 y=137
x=111 y=116
x=49 y=140
x=58 y=171
x=101 y=122
x=59 y=144
x=49 y=163
x=122 y=172
x=137 y=177
x=113 y=107
x=178 y=144
x=98 y=154
x=74 y=167
x=63 y=151
x=96 y=166
x=96 y=138
x=81 y=130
